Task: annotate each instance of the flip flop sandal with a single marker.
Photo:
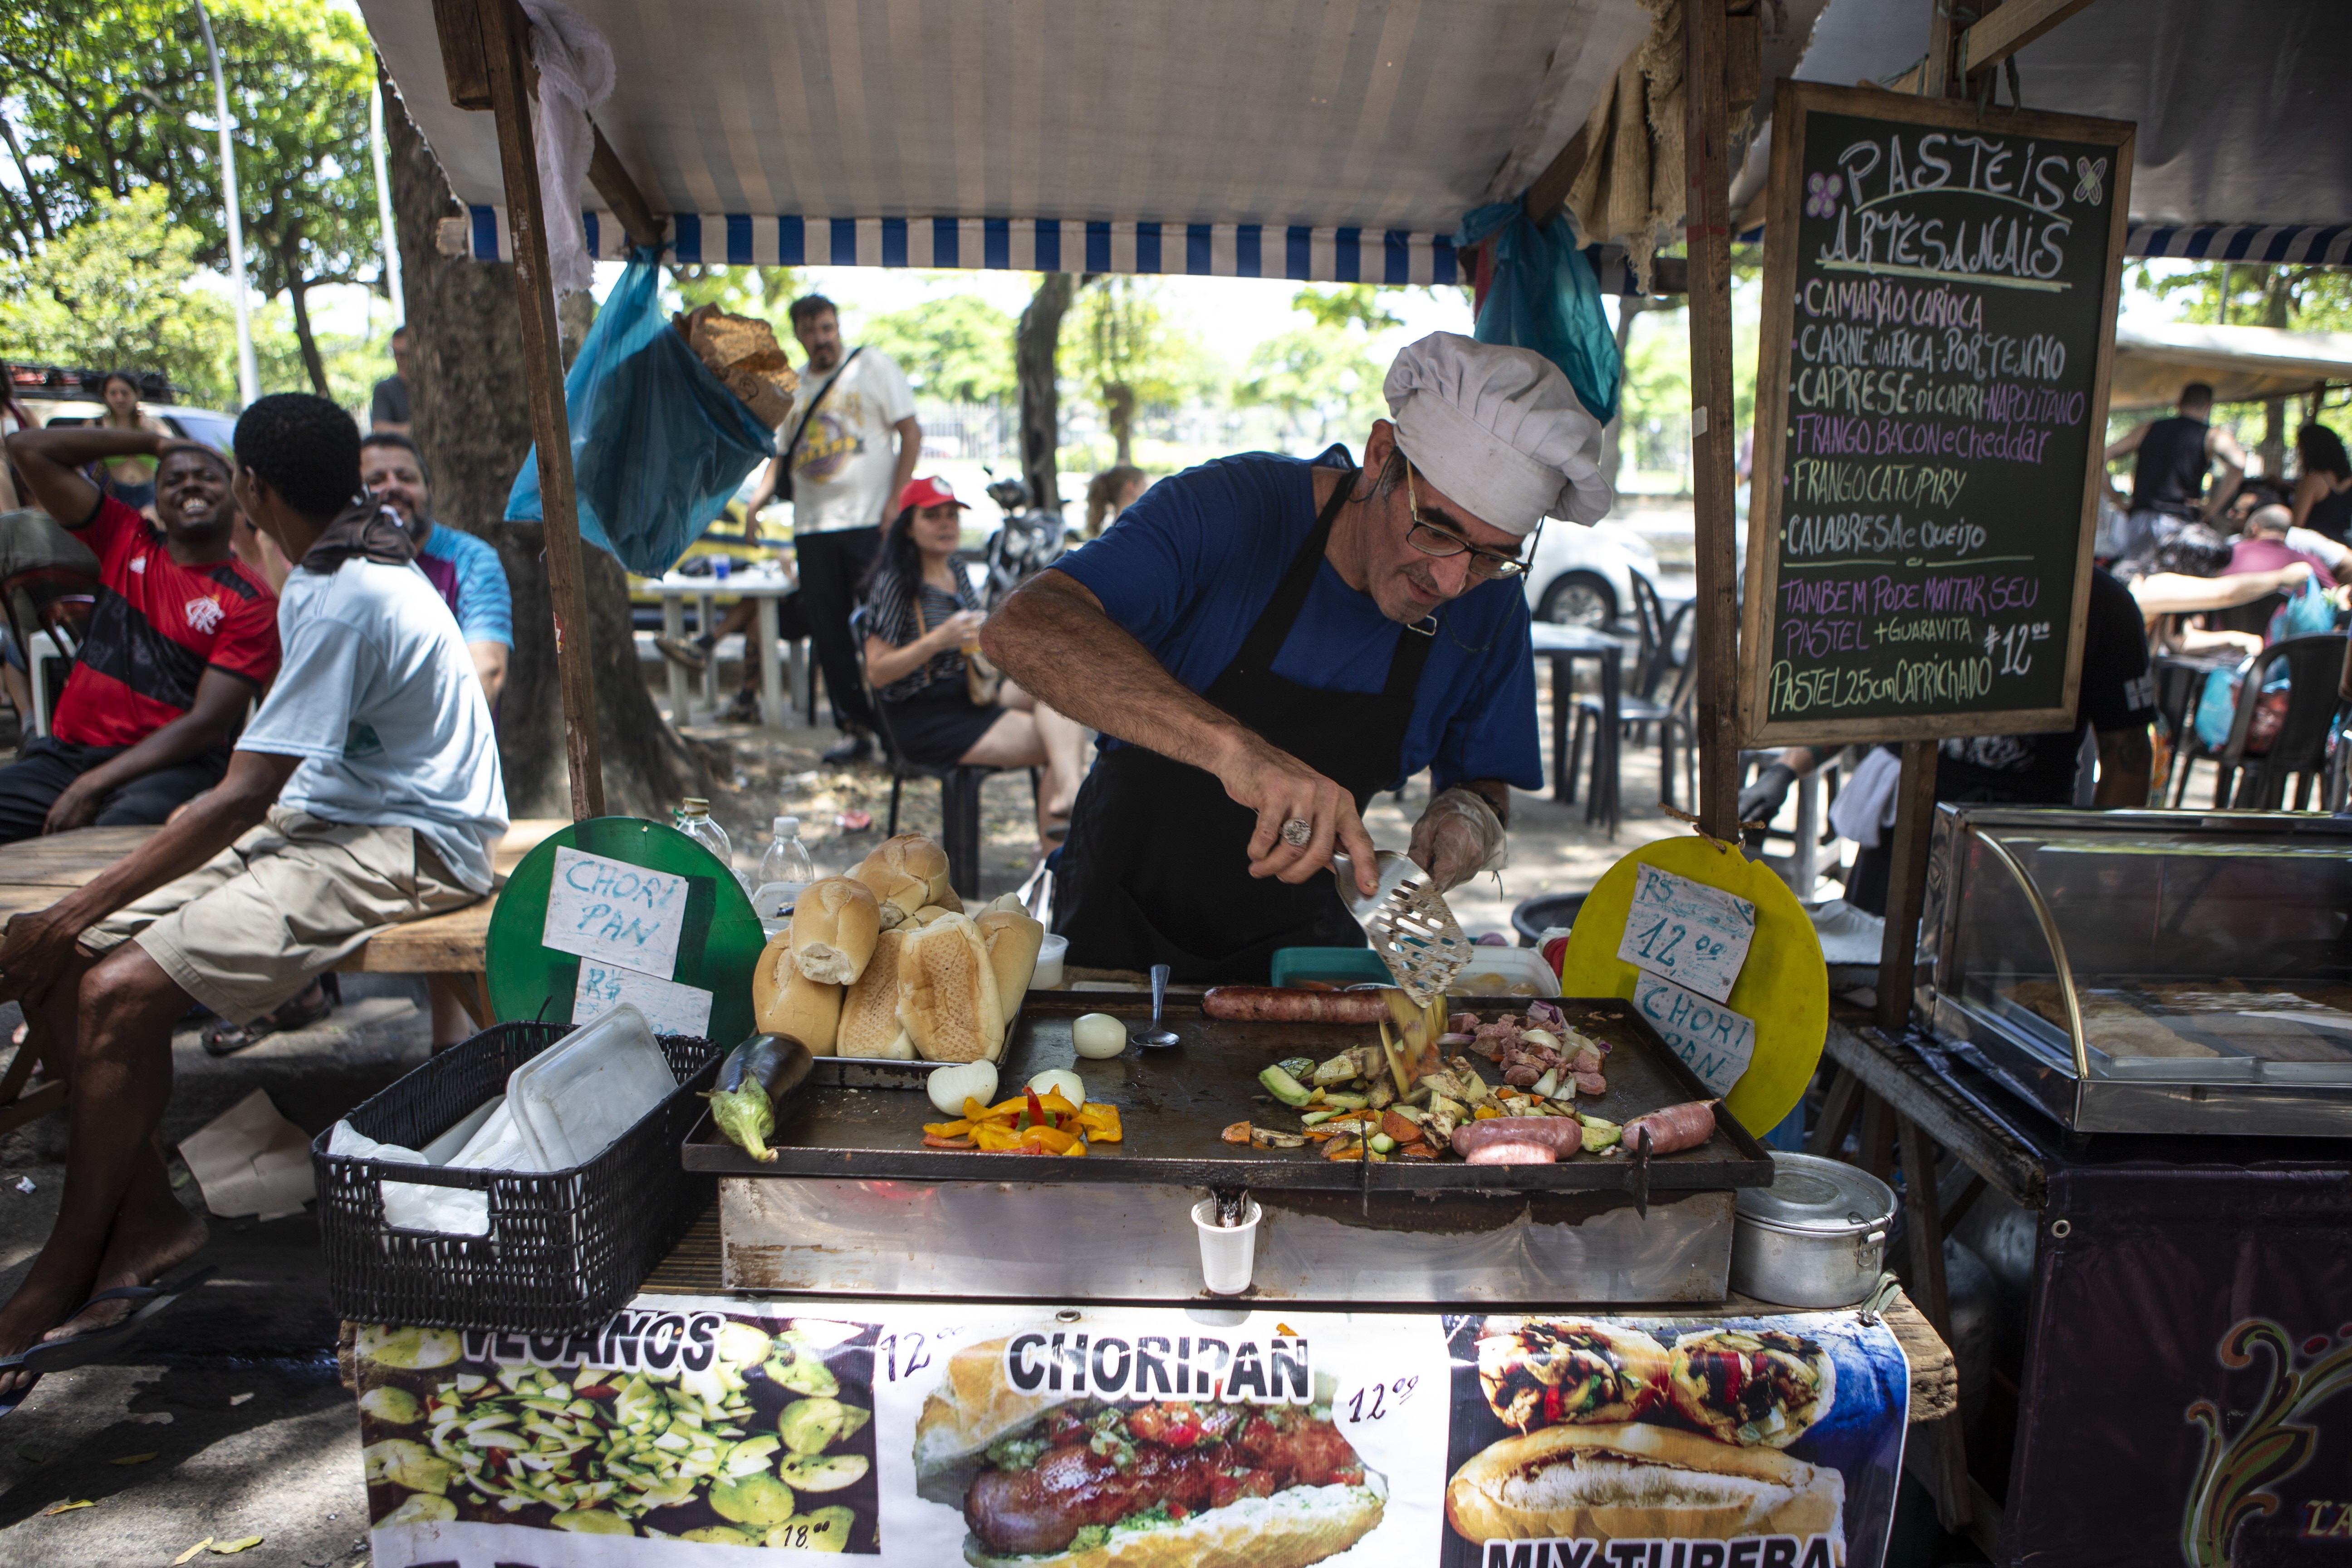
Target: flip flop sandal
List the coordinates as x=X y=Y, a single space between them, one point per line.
x=225 y=1039
x=100 y=1344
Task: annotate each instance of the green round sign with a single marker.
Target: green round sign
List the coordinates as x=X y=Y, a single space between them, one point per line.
x=619 y=909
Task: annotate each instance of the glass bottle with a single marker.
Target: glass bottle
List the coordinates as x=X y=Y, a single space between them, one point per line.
x=784 y=870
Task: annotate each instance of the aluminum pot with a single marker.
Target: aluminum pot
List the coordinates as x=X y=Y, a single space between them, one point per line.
x=1815 y=1237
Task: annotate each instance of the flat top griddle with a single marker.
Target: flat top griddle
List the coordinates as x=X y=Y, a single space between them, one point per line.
x=863 y=1118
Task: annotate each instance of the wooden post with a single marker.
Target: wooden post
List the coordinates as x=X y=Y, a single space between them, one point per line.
x=1707 y=231
x=506 y=57
x=1907 y=883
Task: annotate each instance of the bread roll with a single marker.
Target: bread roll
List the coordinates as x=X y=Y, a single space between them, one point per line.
x=869 y=1012
x=907 y=871
x=929 y=913
x=834 y=927
x=786 y=1002
x=1013 y=940
x=1635 y=1481
x=946 y=993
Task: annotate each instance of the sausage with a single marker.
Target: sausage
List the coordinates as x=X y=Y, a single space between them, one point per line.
x=1278 y=1005
x=1519 y=1140
x=1677 y=1127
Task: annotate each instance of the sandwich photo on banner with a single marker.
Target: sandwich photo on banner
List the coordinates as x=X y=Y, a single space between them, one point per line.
x=1757 y=1441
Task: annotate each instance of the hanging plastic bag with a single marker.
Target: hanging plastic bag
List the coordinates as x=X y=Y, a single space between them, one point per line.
x=658 y=443
x=2216 y=707
x=2308 y=610
x=1543 y=296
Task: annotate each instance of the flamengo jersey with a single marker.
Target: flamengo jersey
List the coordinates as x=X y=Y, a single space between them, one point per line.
x=157 y=625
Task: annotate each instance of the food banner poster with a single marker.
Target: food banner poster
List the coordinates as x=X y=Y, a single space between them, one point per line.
x=709 y=1430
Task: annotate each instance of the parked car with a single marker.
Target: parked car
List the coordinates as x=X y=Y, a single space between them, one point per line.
x=1584 y=577
x=209 y=425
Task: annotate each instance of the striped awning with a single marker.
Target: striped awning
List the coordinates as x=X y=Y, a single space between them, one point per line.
x=1330 y=141
x=2310 y=245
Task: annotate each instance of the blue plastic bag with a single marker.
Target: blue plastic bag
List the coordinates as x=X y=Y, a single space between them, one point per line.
x=658 y=443
x=2308 y=610
x=1545 y=297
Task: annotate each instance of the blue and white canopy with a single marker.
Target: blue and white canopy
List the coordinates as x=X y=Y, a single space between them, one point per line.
x=1329 y=139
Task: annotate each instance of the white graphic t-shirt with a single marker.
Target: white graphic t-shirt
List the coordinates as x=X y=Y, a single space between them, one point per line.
x=846 y=456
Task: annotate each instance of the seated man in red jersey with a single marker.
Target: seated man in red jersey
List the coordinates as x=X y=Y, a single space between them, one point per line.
x=182 y=638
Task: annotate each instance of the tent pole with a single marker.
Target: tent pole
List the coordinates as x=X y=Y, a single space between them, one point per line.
x=1706 y=233
x=503 y=45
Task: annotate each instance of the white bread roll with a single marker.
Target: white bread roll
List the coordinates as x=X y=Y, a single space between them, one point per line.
x=1634 y=1481
x=946 y=993
x=834 y=927
x=907 y=871
x=869 y=1012
x=1013 y=940
x=786 y=1002
x=929 y=913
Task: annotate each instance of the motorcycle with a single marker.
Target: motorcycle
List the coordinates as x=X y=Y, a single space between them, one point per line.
x=1026 y=540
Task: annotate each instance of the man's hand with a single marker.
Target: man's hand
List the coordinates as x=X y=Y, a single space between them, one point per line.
x=74 y=807
x=1280 y=789
x=37 y=949
x=1459 y=835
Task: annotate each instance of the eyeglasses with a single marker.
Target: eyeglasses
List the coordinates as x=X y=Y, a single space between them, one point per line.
x=1437 y=537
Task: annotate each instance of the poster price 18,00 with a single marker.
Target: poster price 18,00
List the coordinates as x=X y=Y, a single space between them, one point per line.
x=704 y=1431
x=1931 y=395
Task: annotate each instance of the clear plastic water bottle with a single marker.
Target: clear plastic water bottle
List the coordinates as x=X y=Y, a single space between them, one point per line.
x=695 y=821
x=784 y=870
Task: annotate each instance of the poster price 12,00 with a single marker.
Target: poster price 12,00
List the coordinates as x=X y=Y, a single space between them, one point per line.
x=700 y=1431
x=1940 y=307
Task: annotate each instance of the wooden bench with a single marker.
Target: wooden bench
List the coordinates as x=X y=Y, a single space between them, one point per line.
x=446 y=949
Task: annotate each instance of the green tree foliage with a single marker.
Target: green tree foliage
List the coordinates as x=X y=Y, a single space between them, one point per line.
x=1131 y=357
x=767 y=293
x=109 y=96
x=1348 y=305
x=1321 y=375
x=957 y=348
x=2242 y=294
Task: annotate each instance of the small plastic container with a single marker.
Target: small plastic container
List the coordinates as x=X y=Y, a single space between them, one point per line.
x=1048 y=975
x=1228 y=1252
x=571 y=1102
x=1339 y=967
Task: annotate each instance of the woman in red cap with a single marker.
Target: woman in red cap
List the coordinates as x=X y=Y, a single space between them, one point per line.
x=920 y=621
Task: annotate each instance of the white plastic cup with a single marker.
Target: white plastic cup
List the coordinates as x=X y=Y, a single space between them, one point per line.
x=1228 y=1253
x=1048 y=975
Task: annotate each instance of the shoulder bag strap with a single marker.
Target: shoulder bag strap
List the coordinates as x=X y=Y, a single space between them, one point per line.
x=814 y=402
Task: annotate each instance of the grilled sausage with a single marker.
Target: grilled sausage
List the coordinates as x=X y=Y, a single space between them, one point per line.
x=1677 y=1127
x=1276 y=1005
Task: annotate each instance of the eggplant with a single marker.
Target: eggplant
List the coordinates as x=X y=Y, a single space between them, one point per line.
x=752 y=1081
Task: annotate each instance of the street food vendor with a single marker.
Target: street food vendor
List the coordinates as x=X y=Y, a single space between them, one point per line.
x=1265 y=643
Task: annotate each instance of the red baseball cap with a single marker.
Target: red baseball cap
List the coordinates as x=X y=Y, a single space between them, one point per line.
x=928 y=493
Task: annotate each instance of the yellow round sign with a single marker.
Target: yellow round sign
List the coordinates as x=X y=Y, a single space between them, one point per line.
x=1784 y=986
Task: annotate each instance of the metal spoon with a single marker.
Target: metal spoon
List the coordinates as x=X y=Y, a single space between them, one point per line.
x=1156 y=1037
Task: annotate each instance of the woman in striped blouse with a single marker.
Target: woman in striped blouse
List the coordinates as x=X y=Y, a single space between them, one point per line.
x=921 y=620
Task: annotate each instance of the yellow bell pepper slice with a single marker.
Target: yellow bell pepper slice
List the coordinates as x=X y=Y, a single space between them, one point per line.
x=1055 y=1105
x=1101 y=1122
x=948 y=1129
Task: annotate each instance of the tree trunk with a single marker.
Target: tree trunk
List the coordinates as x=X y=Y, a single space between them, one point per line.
x=2277 y=298
x=472 y=421
x=1035 y=349
x=1118 y=402
x=298 y=289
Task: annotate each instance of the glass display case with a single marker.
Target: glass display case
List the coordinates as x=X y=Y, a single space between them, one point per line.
x=2149 y=971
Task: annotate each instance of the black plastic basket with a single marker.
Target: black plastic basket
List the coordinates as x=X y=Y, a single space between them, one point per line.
x=564 y=1248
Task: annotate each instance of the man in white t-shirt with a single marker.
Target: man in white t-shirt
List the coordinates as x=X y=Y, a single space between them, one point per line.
x=849 y=447
x=365 y=791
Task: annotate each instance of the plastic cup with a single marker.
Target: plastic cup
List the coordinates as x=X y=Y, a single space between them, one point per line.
x=1048 y=975
x=1228 y=1253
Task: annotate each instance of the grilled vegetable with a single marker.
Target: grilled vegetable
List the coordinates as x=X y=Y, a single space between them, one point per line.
x=1285 y=1087
x=755 y=1076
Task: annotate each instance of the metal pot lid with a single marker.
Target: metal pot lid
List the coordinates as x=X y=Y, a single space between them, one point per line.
x=1810 y=1194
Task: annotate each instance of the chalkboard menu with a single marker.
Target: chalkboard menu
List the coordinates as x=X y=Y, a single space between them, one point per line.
x=1940 y=307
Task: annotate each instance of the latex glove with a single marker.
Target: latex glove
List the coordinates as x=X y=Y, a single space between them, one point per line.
x=1458 y=837
x=1762 y=800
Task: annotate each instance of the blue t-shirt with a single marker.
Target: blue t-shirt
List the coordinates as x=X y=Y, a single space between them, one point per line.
x=466 y=572
x=1186 y=570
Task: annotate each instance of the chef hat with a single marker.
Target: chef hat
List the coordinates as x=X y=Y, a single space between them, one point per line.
x=1499 y=430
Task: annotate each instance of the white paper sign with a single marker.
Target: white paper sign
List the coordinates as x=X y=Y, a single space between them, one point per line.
x=1686 y=931
x=623 y=914
x=1713 y=1040
x=669 y=1007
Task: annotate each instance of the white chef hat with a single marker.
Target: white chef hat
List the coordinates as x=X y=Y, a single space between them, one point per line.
x=1499 y=430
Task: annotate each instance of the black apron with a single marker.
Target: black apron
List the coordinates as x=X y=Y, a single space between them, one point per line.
x=1156 y=869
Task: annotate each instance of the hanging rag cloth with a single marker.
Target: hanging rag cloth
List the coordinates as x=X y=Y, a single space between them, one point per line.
x=1865 y=806
x=575 y=78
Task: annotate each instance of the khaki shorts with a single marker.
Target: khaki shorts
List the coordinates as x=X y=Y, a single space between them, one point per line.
x=246 y=931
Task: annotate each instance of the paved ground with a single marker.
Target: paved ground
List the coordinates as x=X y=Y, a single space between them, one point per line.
x=234 y=1395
